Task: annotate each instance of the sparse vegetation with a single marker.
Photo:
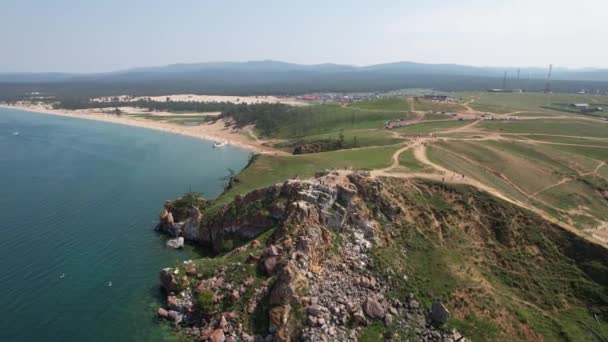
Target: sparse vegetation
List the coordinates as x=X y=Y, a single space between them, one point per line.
x=503 y=271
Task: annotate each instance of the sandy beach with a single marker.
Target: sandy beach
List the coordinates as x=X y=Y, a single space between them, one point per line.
x=210 y=132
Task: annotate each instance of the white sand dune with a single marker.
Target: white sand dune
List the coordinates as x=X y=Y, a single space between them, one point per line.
x=205 y=98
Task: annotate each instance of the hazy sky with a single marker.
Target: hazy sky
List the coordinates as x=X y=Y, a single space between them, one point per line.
x=104 y=35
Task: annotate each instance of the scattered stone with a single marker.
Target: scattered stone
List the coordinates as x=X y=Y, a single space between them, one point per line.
x=223 y=322
x=175 y=316
x=217 y=336
x=373 y=308
x=287 y=243
x=359 y=318
x=311 y=321
x=172 y=303
x=248 y=281
x=270 y=265
x=163 y=313
x=366 y=282
x=168 y=281
x=439 y=313
x=176 y=243
x=388 y=320
x=314 y=310
x=272 y=251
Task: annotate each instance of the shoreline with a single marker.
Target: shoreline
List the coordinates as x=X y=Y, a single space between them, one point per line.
x=208 y=132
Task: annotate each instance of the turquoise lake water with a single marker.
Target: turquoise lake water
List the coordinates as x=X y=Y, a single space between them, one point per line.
x=81 y=198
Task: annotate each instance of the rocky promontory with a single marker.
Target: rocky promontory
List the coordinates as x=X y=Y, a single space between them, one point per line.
x=295 y=263
x=345 y=257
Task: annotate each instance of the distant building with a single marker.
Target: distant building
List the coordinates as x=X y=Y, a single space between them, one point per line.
x=580 y=105
x=437 y=97
x=584 y=107
x=309 y=98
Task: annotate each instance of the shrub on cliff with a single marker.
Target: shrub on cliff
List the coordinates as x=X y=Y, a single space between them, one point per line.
x=182 y=205
x=204 y=300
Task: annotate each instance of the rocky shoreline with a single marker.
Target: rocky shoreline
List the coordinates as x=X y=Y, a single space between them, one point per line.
x=307 y=275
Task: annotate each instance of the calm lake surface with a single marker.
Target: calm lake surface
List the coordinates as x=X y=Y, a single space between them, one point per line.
x=81 y=198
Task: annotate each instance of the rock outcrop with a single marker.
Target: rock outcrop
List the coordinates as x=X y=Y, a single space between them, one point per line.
x=310 y=278
x=188 y=228
x=191 y=226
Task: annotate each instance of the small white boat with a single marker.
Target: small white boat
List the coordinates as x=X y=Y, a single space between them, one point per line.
x=62 y=275
x=110 y=283
x=219 y=144
x=15 y=133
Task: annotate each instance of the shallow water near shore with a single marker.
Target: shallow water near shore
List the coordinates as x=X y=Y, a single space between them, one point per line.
x=78 y=203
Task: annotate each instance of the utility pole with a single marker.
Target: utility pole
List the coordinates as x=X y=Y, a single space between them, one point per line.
x=548 y=83
x=504 y=82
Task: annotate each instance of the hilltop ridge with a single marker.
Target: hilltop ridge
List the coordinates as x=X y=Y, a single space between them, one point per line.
x=282 y=78
x=408 y=67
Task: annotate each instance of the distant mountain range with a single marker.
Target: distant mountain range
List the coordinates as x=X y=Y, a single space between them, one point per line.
x=280 y=78
x=177 y=71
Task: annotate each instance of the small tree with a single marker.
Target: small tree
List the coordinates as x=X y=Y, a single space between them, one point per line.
x=341 y=140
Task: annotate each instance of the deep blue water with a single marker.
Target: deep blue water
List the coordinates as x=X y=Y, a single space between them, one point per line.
x=81 y=198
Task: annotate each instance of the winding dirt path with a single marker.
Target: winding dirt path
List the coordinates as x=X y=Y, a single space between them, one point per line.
x=447 y=176
x=443 y=174
x=567 y=180
x=410 y=101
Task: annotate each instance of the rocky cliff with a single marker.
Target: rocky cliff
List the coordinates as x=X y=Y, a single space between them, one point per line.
x=346 y=257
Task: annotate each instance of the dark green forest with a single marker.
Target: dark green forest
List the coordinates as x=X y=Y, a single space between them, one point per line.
x=288 y=83
x=169 y=106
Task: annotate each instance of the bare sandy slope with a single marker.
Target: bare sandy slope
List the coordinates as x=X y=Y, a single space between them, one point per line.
x=217 y=131
x=207 y=98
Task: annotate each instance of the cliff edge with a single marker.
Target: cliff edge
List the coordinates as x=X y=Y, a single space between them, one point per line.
x=347 y=257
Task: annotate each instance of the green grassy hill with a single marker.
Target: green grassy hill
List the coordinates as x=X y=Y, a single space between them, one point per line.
x=506 y=273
